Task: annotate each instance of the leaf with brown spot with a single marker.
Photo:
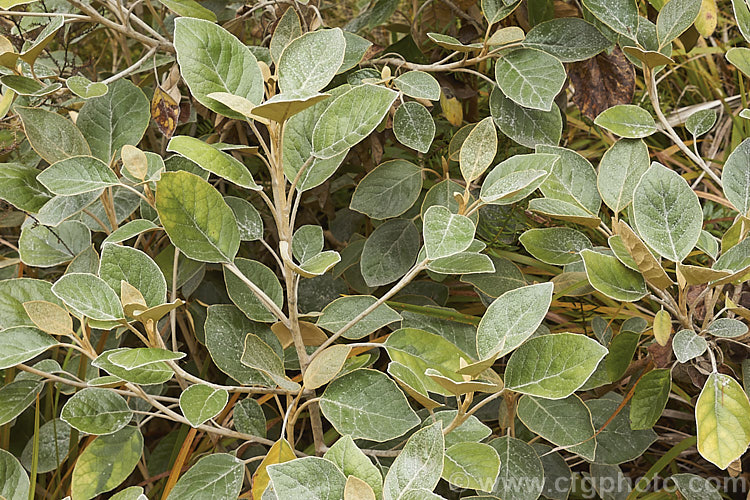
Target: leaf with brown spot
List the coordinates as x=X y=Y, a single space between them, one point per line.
x=165 y=111
x=602 y=82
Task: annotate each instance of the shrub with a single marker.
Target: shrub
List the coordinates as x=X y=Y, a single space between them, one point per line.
x=247 y=253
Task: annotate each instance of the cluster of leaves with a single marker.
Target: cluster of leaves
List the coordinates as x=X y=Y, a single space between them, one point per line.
x=263 y=257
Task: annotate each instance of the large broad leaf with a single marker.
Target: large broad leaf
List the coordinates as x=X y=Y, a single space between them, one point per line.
x=735 y=177
x=52 y=136
x=200 y=403
x=446 y=233
x=521 y=472
x=19 y=344
x=675 y=18
x=310 y=62
x=341 y=311
x=555 y=245
x=722 y=414
x=525 y=126
x=620 y=169
x=471 y=465
x=96 y=411
x=388 y=191
x=553 y=366
x=650 y=398
x=367 y=404
x=619 y=15
x=569 y=39
x=572 y=179
x=121 y=263
x=218 y=475
x=627 y=120
x=667 y=213
x=77 y=175
x=243 y=296
x=42 y=246
x=350 y=118
x=20 y=188
x=13 y=294
x=512 y=318
x=610 y=277
x=301 y=478
x=16 y=397
x=531 y=78
x=558 y=478
x=478 y=150
x=352 y=462
x=89 y=296
x=418 y=466
x=414 y=126
x=212 y=60
x=115 y=119
x=564 y=422
x=95 y=472
x=14 y=483
x=54 y=443
x=211 y=159
x=389 y=252
x=196 y=217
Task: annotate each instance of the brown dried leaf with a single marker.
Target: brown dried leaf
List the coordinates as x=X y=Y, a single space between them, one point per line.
x=602 y=82
x=165 y=112
x=647 y=263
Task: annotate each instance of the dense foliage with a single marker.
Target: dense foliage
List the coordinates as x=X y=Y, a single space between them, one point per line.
x=396 y=250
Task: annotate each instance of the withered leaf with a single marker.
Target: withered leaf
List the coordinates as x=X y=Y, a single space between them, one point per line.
x=602 y=82
x=165 y=112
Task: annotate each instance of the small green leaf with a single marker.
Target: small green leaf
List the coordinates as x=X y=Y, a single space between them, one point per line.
x=218 y=475
x=620 y=169
x=528 y=127
x=15 y=481
x=471 y=465
x=389 y=252
x=389 y=190
x=151 y=374
x=727 y=328
x=342 y=310
x=572 y=179
x=627 y=120
x=19 y=187
x=120 y=263
x=694 y=487
x=42 y=246
x=687 y=345
x=200 y=403
x=414 y=126
x=249 y=417
x=735 y=177
x=569 y=39
x=19 y=344
x=189 y=8
x=419 y=85
x=130 y=359
x=248 y=219
x=521 y=472
x=85 y=88
x=563 y=422
x=129 y=230
x=650 y=398
x=675 y=18
x=555 y=245
x=445 y=233
x=700 y=122
x=245 y=298
x=617 y=443
x=301 y=478
x=462 y=263
x=514 y=179
x=352 y=462
x=418 y=466
x=610 y=277
x=16 y=397
x=15 y=292
x=310 y=62
x=530 y=77
x=54 y=443
x=89 y=296
x=96 y=411
x=211 y=159
x=619 y=15
x=287 y=29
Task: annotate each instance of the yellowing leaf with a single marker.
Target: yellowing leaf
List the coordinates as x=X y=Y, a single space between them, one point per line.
x=49 y=317
x=707 y=17
x=279 y=453
x=662 y=327
x=165 y=112
x=134 y=160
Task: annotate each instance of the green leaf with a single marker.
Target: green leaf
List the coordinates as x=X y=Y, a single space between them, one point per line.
x=249 y=417
x=627 y=120
x=445 y=233
x=52 y=136
x=650 y=398
x=19 y=344
x=514 y=179
x=557 y=475
x=189 y=8
x=563 y=422
x=418 y=466
x=667 y=213
x=451 y=43
x=497 y=10
x=25 y=86
x=213 y=60
x=531 y=78
x=610 y=277
x=138 y=357
x=13 y=294
x=89 y=296
x=111 y=121
x=478 y=150
x=619 y=15
x=727 y=328
x=356 y=48
x=245 y=298
x=700 y=122
x=307 y=242
x=287 y=29
x=196 y=217
x=553 y=366
x=414 y=126
x=367 y=404
x=16 y=397
x=248 y=219
x=462 y=263
x=564 y=210
x=512 y=318
x=200 y=403
x=54 y=443
x=687 y=345
x=218 y=475
x=120 y=263
x=620 y=169
x=85 y=88
x=19 y=187
x=350 y=118
x=571 y=179
x=528 y=127
x=610 y=482
x=471 y=465
x=735 y=177
x=129 y=230
x=95 y=472
x=211 y=159
x=151 y=374
x=352 y=462
x=42 y=246
x=132 y=493
x=389 y=252
x=389 y=190
x=555 y=245
x=96 y=411
x=675 y=18
x=301 y=478
x=226 y=328
x=569 y=39
x=259 y=355
x=617 y=443
x=14 y=483
x=521 y=472
x=418 y=84
x=694 y=487
x=740 y=58
x=311 y=61
x=342 y=310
